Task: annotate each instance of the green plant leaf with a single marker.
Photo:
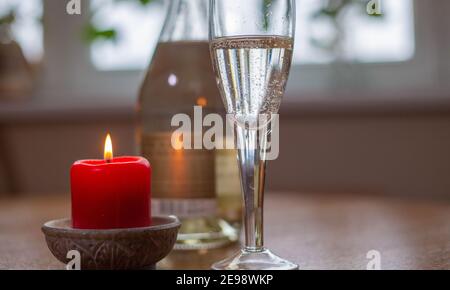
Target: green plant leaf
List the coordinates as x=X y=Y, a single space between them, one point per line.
x=145 y=2
x=93 y=33
x=141 y=2
x=266 y=13
x=8 y=18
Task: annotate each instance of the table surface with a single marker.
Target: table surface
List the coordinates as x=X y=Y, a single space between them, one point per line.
x=315 y=231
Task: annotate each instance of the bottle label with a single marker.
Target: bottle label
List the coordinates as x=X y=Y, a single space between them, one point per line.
x=227 y=173
x=182 y=180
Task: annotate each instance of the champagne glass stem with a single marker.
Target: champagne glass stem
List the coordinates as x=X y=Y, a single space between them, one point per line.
x=251 y=148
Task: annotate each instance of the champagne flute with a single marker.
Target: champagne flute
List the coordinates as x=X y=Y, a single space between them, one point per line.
x=251 y=43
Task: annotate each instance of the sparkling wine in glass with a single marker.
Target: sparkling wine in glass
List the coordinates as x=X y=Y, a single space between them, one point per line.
x=253 y=71
x=251 y=45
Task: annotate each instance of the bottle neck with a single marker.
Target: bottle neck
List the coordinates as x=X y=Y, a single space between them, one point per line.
x=187 y=20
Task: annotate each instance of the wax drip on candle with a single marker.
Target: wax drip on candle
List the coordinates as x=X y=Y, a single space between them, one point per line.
x=108 y=153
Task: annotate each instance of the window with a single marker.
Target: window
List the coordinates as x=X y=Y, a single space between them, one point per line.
x=23 y=19
x=137 y=29
x=372 y=39
x=392 y=58
x=388 y=38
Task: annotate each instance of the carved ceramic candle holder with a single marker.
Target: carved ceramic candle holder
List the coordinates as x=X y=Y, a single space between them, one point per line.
x=116 y=249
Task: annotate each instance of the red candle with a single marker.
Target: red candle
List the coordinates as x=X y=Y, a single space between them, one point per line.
x=111 y=193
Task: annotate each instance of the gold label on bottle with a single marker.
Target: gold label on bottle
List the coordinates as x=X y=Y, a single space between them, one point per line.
x=183 y=181
x=228 y=186
x=227 y=173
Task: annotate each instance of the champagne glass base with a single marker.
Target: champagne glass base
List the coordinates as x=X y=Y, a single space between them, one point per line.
x=254 y=260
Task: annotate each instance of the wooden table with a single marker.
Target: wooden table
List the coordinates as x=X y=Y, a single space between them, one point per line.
x=316 y=231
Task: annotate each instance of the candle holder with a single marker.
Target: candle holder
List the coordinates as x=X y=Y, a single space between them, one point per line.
x=115 y=249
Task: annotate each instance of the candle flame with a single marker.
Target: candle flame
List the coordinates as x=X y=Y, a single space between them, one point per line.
x=108 y=155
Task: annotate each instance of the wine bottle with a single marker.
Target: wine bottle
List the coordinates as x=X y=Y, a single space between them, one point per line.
x=180 y=76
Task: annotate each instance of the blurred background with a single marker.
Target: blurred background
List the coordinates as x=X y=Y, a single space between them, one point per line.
x=367 y=109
